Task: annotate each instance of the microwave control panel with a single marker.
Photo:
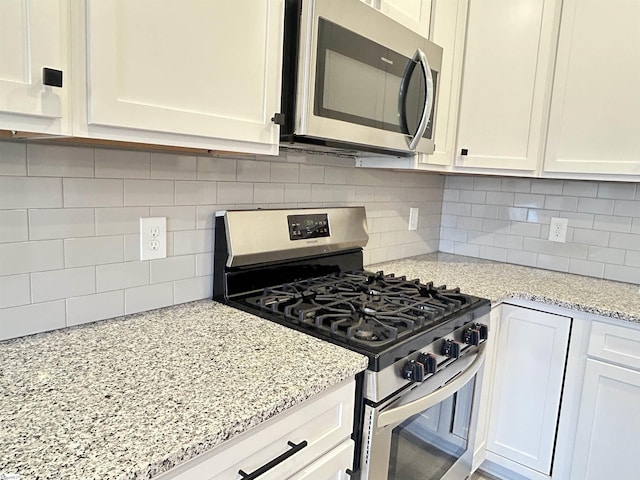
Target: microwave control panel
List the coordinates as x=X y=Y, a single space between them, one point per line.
x=302 y=227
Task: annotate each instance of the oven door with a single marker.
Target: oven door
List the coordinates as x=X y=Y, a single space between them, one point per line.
x=426 y=433
x=368 y=79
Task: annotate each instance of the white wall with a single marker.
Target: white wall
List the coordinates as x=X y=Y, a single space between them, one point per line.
x=507 y=219
x=69 y=222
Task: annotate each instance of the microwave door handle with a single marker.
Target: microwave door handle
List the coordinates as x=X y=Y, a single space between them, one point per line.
x=403 y=412
x=421 y=58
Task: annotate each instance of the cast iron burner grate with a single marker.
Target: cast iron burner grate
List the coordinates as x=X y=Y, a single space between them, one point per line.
x=361 y=308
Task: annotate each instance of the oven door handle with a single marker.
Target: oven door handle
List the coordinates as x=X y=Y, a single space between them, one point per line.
x=403 y=412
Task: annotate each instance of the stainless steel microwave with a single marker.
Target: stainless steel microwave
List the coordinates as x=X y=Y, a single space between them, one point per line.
x=355 y=79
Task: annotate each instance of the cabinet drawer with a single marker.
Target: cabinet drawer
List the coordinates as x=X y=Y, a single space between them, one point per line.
x=322 y=422
x=333 y=465
x=615 y=344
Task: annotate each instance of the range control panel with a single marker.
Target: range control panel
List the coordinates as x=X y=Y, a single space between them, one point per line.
x=302 y=227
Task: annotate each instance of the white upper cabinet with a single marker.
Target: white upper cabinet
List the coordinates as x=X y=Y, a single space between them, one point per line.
x=414 y=14
x=33 y=36
x=190 y=73
x=595 y=108
x=505 y=86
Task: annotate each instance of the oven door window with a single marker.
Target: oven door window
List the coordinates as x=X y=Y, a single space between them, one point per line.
x=427 y=445
x=360 y=82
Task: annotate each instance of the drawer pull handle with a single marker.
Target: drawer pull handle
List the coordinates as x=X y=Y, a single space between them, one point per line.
x=295 y=448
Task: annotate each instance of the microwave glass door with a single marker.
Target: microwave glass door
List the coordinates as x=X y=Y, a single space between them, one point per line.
x=427 y=445
x=364 y=83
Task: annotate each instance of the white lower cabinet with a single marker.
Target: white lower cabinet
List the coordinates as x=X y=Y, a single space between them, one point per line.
x=309 y=441
x=608 y=430
x=527 y=388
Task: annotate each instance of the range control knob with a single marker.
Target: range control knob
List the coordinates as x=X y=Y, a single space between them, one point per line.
x=483 y=329
x=451 y=349
x=472 y=336
x=429 y=362
x=413 y=371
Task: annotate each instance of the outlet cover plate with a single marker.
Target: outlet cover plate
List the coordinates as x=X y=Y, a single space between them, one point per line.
x=413 y=218
x=153 y=238
x=558 y=229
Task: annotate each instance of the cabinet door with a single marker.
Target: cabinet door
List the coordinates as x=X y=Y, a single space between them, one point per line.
x=608 y=432
x=506 y=81
x=529 y=370
x=595 y=106
x=209 y=71
x=414 y=14
x=33 y=35
x=448 y=29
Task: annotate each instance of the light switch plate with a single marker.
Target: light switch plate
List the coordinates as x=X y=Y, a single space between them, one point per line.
x=153 y=238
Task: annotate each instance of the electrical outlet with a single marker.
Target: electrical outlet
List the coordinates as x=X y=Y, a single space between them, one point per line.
x=558 y=229
x=153 y=238
x=413 y=218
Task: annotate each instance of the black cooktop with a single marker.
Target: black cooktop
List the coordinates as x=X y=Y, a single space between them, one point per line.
x=382 y=316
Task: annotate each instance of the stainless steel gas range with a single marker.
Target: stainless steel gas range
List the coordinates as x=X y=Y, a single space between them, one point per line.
x=417 y=401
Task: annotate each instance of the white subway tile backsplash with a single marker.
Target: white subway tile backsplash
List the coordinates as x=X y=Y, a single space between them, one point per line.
x=30 y=319
x=335 y=175
x=553 y=202
x=460 y=182
x=467 y=249
x=14 y=226
x=44 y=161
x=622 y=273
x=483 y=211
x=486 y=183
x=119 y=220
x=178 y=218
x=253 y=171
x=59 y=284
x=297 y=192
x=91 y=308
x=498 y=226
x=315 y=174
x=132 y=246
x=606 y=255
x=469 y=223
x=627 y=241
x=472 y=196
x=577 y=188
x=167 y=166
x=14 y=290
x=481 y=238
x=632 y=259
x=217 y=169
x=627 y=208
x=30 y=192
x=173 y=268
x=89 y=192
x=80 y=252
x=268 y=193
x=45 y=224
x=13 y=158
x=493 y=253
x=322 y=193
x=122 y=164
x=452 y=195
x=149 y=297
x=513 y=184
x=635 y=226
x=118 y=276
x=148 y=192
x=528 y=200
x=518 y=257
x=616 y=190
x=285 y=172
x=234 y=193
x=570 y=250
x=512 y=242
x=191 y=289
x=192 y=241
x=553 y=262
x=595 y=205
x=500 y=198
x=578 y=220
x=585 y=267
x=591 y=237
x=196 y=193
x=541 y=216
x=454 y=234
x=204 y=264
x=546 y=187
x=517 y=214
x=26 y=257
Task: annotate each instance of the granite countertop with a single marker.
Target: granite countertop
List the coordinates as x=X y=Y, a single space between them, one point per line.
x=500 y=281
x=130 y=398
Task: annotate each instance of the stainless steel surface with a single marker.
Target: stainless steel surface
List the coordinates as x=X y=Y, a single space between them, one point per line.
x=379 y=385
x=356 y=16
x=428 y=99
x=261 y=236
x=410 y=406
